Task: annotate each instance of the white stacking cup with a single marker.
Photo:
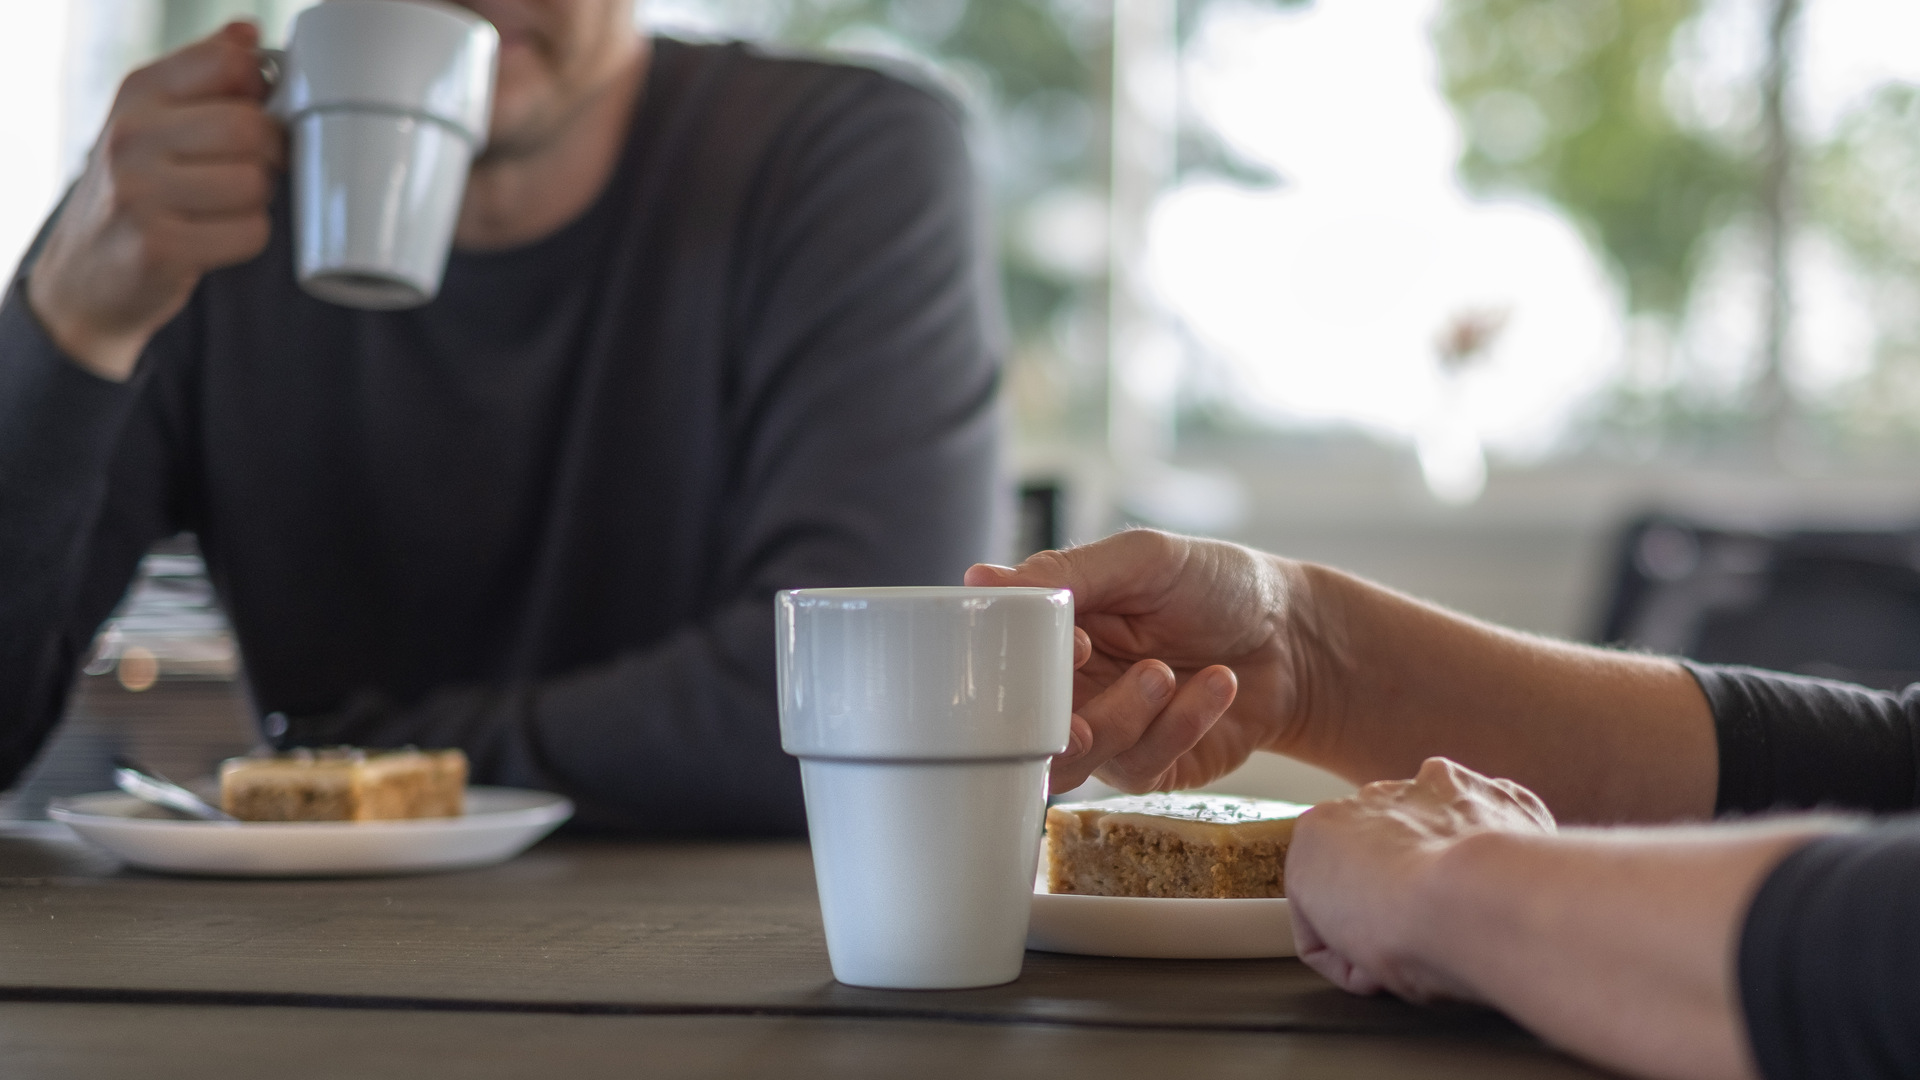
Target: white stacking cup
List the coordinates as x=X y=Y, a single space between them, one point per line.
x=924 y=720
x=386 y=103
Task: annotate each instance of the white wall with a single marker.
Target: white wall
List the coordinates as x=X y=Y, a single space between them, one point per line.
x=33 y=52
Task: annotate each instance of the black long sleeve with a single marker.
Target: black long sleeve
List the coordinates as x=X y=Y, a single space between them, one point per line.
x=76 y=515
x=1829 y=962
x=1829 y=953
x=1787 y=741
x=542 y=518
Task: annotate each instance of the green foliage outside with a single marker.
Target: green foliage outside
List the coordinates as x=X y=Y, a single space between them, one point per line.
x=1863 y=187
x=1563 y=98
x=1033 y=73
x=1567 y=100
x=1036 y=75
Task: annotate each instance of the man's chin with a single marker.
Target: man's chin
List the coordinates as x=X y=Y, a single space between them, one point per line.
x=519 y=127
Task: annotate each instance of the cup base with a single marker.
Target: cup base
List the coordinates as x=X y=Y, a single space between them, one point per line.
x=370 y=292
x=925 y=868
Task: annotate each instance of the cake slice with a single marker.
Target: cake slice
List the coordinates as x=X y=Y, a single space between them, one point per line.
x=1173 y=844
x=345 y=784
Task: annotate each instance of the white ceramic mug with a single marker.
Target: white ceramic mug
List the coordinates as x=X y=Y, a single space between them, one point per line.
x=924 y=720
x=386 y=103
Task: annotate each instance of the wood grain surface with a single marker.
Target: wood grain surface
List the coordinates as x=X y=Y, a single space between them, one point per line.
x=680 y=943
x=92 y=1042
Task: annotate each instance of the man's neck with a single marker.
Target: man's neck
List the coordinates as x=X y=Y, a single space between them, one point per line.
x=517 y=199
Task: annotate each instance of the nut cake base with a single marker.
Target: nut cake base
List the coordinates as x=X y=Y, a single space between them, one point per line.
x=1174 y=844
x=345 y=785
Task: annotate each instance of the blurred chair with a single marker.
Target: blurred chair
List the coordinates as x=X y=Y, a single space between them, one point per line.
x=161 y=685
x=1841 y=605
x=1040 y=524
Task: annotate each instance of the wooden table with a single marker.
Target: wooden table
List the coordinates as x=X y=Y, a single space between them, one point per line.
x=587 y=958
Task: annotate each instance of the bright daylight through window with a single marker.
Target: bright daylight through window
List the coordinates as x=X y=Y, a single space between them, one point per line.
x=1418 y=219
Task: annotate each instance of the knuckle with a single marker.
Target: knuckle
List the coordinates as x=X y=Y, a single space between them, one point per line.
x=121 y=136
x=1154 y=544
x=256 y=188
x=139 y=83
x=1191 y=725
x=157 y=249
x=1126 y=780
x=1050 y=563
x=229 y=129
x=132 y=195
x=235 y=58
x=266 y=131
x=250 y=126
x=251 y=236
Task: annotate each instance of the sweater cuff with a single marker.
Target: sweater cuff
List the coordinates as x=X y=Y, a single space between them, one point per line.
x=1829 y=958
x=1792 y=741
x=58 y=421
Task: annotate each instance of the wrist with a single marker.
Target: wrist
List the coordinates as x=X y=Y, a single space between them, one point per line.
x=1471 y=891
x=111 y=356
x=1317 y=658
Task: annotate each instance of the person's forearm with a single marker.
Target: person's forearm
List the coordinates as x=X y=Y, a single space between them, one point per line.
x=1600 y=735
x=59 y=427
x=1616 y=945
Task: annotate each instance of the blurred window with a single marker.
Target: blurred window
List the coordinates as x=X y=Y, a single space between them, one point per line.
x=1530 y=229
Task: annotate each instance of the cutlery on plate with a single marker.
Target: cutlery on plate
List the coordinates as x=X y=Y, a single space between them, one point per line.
x=149 y=786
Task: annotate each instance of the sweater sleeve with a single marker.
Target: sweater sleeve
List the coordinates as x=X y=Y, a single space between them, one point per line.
x=1791 y=742
x=862 y=451
x=1829 y=958
x=70 y=533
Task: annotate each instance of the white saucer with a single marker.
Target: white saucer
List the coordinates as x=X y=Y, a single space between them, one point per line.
x=499 y=824
x=1159 y=928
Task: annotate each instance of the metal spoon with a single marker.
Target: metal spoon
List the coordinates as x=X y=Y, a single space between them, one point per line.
x=150 y=786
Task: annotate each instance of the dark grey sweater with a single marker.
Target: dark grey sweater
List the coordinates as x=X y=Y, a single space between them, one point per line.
x=542 y=518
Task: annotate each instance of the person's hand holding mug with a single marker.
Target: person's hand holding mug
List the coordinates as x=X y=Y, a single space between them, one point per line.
x=1188 y=659
x=177 y=185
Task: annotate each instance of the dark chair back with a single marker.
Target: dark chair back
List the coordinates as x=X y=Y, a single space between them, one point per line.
x=1842 y=605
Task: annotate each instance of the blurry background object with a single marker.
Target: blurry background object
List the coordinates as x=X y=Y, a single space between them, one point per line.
x=161 y=686
x=169 y=626
x=1838 y=605
x=1440 y=291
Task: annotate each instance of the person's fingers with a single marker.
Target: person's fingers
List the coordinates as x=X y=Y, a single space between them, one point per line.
x=1182 y=723
x=211 y=190
x=986 y=576
x=1312 y=949
x=1062 y=774
x=203 y=244
x=1340 y=971
x=1444 y=778
x=217 y=130
x=1528 y=803
x=1079 y=737
x=991 y=575
x=1113 y=574
x=1116 y=719
x=1377 y=793
x=219 y=65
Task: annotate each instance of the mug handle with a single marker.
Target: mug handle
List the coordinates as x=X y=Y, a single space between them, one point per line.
x=273 y=68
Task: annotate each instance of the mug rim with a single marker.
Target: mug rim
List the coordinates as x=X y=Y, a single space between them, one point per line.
x=922 y=592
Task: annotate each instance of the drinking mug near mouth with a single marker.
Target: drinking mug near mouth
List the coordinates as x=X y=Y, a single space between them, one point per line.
x=386 y=102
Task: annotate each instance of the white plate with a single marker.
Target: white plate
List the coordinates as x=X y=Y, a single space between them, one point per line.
x=1159 y=928
x=499 y=824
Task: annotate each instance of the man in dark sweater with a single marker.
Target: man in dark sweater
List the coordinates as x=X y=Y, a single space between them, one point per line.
x=715 y=324
x=1787 y=946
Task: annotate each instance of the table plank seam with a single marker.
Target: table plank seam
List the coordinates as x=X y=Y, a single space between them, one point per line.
x=399 y=1003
